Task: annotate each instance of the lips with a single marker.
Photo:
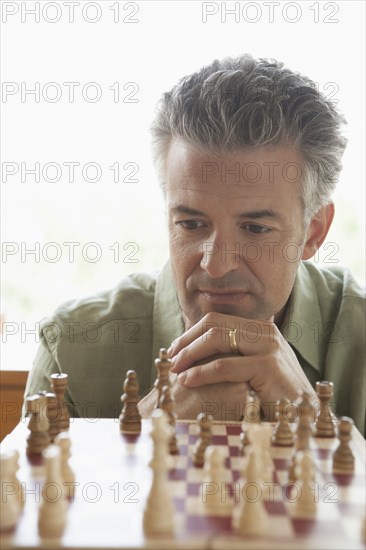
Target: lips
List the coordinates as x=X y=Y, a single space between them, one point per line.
x=223 y=297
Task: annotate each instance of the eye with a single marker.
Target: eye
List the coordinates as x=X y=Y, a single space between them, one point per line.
x=256 y=229
x=190 y=225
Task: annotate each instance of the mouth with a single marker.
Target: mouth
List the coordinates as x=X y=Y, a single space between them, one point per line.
x=223 y=297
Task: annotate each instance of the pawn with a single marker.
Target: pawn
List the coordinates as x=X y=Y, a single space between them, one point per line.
x=53 y=509
x=214 y=498
x=167 y=404
x=260 y=439
x=252 y=518
x=343 y=458
x=11 y=502
x=326 y=421
x=67 y=474
x=204 y=422
x=282 y=434
x=130 y=418
x=38 y=425
x=303 y=491
x=163 y=365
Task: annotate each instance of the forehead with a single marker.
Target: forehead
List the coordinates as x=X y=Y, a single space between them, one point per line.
x=267 y=172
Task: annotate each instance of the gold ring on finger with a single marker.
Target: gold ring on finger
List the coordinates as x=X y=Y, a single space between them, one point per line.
x=233 y=343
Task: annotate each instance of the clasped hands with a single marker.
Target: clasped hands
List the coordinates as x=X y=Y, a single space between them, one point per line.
x=265 y=362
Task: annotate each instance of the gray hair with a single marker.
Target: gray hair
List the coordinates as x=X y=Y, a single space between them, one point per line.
x=245 y=102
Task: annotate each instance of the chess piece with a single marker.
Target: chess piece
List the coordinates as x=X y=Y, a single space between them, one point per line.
x=252 y=516
x=343 y=458
x=130 y=419
x=204 y=422
x=282 y=435
x=251 y=414
x=38 y=425
x=53 y=414
x=53 y=508
x=12 y=501
x=167 y=404
x=67 y=474
x=214 y=495
x=163 y=365
x=325 y=422
x=260 y=438
x=59 y=385
x=303 y=493
x=158 y=518
x=304 y=432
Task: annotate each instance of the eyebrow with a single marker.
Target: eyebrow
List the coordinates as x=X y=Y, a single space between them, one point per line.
x=252 y=214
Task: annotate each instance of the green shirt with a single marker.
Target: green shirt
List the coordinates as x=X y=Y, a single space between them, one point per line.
x=97 y=340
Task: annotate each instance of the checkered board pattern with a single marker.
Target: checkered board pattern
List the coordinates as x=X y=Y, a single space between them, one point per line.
x=114 y=479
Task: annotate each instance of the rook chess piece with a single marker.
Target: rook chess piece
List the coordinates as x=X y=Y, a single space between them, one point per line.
x=325 y=423
x=130 y=418
x=163 y=365
x=167 y=404
x=204 y=422
x=282 y=434
x=59 y=385
x=53 y=414
x=343 y=458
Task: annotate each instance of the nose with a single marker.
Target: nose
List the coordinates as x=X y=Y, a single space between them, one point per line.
x=219 y=257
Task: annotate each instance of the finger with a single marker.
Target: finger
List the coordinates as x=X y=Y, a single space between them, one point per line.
x=214 y=321
x=254 y=338
x=227 y=369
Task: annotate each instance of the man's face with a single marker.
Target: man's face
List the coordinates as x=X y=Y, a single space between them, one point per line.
x=235 y=229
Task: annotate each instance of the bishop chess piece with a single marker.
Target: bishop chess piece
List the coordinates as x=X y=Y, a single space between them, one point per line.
x=67 y=474
x=12 y=495
x=251 y=415
x=343 y=458
x=204 y=422
x=326 y=421
x=282 y=435
x=304 y=431
x=53 y=508
x=158 y=518
x=130 y=418
x=38 y=425
x=59 y=386
x=167 y=404
x=163 y=365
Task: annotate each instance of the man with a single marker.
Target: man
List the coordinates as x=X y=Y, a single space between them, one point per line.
x=248 y=154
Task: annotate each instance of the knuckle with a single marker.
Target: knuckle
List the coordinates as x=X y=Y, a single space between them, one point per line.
x=220 y=367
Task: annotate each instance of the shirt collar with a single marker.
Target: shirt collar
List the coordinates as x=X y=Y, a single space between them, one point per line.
x=303 y=326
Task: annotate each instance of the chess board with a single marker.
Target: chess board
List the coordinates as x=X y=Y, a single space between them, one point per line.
x=113 y=480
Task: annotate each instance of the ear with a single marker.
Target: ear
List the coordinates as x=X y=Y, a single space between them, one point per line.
x=318 y=230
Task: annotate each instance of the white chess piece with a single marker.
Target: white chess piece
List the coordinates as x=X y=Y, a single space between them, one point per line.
x=53 y=508
x=11 y=494
x=304 y=491
x=253 y=517
x=159 y=509
x=215 y=498
x=260 y=437
x=67 y=474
